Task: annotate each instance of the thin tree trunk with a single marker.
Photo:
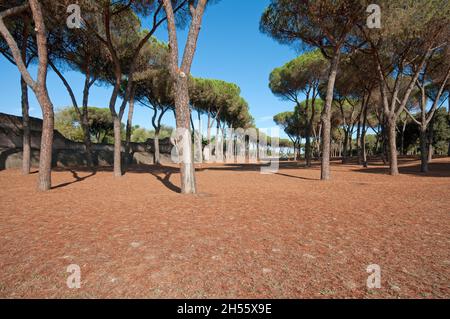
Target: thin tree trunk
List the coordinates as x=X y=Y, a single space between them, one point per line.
x=345 y=147
x=358 y=136
x=308 y=149
x=157 y=158
x=26 y=144
x=423 y=150
x=350 y=143
x=117 y=147
x=448 y=103
x=430 y=138
x=45 y=157
x=85 y=121
x=129 y=128
x=402 y=142
x=326 y=119
x=384 y=142
x=187 y=170
x=26 y=147
x=393 y=166
x=363 y=136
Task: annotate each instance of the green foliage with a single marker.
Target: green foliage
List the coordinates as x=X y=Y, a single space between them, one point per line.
x=441 y=133
x=291 y=123
x=298 y=75
x=221 y=100
x=322 y=23
x=100 y=122
x=67 y=123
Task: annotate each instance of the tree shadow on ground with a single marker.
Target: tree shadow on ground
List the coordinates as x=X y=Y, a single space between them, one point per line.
x=435 y=170
x=168 y=171
x=77 y=179
x=166 y=180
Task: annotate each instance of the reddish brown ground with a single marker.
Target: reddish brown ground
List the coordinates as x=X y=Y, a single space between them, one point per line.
x=248 y=235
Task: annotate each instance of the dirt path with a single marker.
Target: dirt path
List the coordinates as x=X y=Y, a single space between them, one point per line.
x=245 y=235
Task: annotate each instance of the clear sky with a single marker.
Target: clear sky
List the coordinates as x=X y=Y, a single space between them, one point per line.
x=230 y=48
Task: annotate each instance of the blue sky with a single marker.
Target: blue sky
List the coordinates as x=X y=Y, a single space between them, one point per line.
x=230 y=48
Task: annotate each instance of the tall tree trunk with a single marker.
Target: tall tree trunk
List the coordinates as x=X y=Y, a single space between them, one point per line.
x=308 y=149
x=326 y=119
x=358 y=136
x=423 y=150
x=85 y=121
x=128 y=156
x=157 y=156
x=448 y=102
x=117 y=147
x=208 y=138
x=345 y=147
x=187 y=169
x=26 y=147
x=180 y=77
x=392 y=138
x=430 y=137
x=45 y=157
x=402 y=142
x=363 y=136
x=384 y=143
x=87 y=140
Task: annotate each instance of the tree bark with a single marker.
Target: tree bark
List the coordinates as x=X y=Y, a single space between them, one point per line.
x=358 y=139
x=26 y=144
x=39 y=86
x=157 y=158
x=187 y=170
x=326 y=119
x=45 y=157
x=85 y=121
x=117 y=147
x=180 y=77
x=392 y=137
x=363 y=136
x=26 y=147
x=129 y=128
x=345 y=147
x=423 y=150
x=448 y=103
x=430 y=137
x=308 y=149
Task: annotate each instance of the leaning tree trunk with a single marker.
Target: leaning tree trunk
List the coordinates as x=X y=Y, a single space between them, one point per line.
x=26 y=147
x=326 y=119
x=45 y=157
x=392 y=139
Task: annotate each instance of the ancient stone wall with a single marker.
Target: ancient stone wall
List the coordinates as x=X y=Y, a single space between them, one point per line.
x=66 y=153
